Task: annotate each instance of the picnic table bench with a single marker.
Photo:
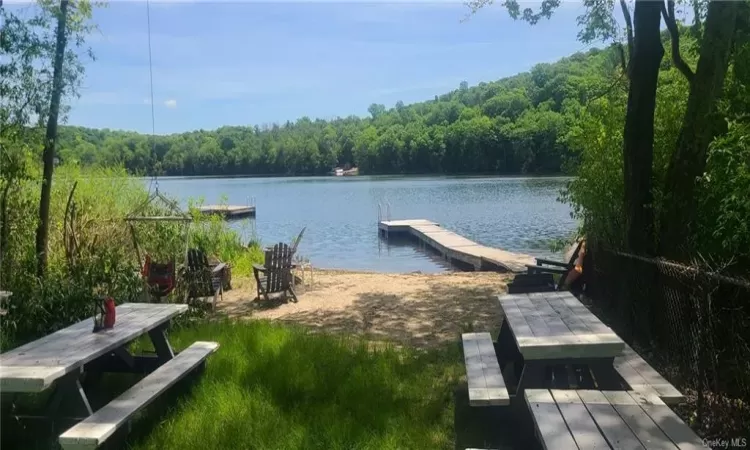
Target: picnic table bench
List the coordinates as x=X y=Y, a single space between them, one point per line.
x=485 y=380
x=593 y=419
x=641 y=377
x=57 y=361
x=547 y=330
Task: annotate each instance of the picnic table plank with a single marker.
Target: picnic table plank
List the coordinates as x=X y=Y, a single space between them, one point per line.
x=579 y=421
x=651 y=437
x=484 y=378
x=573 y=322
x=583 y=314
x=515 y=317
x=531 y=314
x=554 y=321
x=615 y=430
x=35 y=366
x=492 y=375
x=677 y=430
x=95 y=429
x=58 y=335
x=478 y=394
x=549 y=424
x=652 y=378
x=71 y=346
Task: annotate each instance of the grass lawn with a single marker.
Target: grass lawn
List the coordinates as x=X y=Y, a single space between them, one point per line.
x=275 y=387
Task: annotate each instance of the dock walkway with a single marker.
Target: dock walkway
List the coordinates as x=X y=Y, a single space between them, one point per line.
x=228 y=211
x=456 y=248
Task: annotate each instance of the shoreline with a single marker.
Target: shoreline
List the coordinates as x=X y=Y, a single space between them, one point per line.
x=354 y=177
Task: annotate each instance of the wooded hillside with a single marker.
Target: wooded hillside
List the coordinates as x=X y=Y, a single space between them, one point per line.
x=514 y=125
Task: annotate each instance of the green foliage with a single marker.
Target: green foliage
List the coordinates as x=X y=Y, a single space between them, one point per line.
x=597 y=191
x=595 y=136
x=212 y=235
x=98 y=262
x=99 y=258
x=508 y=126
x=724 y=196
x=27 y=44
x=271 y=386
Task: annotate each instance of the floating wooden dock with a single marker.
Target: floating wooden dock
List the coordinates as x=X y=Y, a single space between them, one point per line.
x=228 y=211
x=455 y=248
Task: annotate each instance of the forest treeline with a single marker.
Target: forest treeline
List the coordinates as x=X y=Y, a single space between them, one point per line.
x=514 y=125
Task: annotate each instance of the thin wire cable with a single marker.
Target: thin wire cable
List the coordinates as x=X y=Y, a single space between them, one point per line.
x=151 y=85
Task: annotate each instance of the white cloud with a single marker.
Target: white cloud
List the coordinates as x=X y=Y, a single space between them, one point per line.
x=171 y=103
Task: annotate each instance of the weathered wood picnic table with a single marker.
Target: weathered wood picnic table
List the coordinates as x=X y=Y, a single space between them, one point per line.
x=543 y=330
x=58 y=361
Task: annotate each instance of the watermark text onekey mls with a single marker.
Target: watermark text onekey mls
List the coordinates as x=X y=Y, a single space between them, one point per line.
x=738 y=442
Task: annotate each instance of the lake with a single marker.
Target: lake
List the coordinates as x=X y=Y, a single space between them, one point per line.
x=341 y=214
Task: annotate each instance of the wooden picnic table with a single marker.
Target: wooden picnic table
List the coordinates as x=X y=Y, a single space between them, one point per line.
x=542 y=330
x=58 y=360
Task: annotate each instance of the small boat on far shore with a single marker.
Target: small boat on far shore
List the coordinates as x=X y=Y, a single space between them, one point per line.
x=341 y=172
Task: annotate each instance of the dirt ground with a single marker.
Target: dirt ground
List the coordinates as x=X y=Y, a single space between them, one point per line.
x=410 y=309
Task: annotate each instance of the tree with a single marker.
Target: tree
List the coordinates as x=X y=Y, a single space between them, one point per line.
x=51 y=139
x=638 y=152
x=376 y=110
x=643 y=37
x=32 y=93
x=699 y=125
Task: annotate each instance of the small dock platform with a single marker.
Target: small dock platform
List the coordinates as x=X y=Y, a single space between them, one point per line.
x=228 y=211
x=455 y=248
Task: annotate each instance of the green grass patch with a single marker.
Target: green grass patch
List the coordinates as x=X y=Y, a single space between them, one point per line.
x=275 y=387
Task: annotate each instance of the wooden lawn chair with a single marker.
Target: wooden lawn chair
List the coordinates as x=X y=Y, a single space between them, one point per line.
x=201 y=279
x=548 y=266
x=275 y=275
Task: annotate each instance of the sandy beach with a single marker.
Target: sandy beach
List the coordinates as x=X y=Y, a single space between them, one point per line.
x=410 y=309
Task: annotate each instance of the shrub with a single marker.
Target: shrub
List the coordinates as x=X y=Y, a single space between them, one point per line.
x=91 y=248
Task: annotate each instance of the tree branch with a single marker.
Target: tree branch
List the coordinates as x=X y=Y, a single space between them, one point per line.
x=609 y=89
x=629 y=30
x=696 y=28
x=674 y=34
x=623 y=60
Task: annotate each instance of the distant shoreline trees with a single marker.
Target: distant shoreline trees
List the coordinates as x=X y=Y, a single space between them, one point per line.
x=516 y=125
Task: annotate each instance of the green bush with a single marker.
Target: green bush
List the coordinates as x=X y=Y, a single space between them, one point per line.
x=98 y=256
x=721 y=233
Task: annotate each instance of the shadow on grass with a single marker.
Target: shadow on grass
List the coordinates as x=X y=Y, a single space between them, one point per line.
x=432 y=317
x=276 y=387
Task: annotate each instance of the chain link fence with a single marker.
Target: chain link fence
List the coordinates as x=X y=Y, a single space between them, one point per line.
x=691 y=323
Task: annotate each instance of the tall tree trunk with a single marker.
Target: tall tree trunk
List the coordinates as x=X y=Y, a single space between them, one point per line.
x=42 y=232
x=638 y=153
x=698 y=127
x=4 y=230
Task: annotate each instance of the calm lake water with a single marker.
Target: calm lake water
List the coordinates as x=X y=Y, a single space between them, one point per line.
x=341 y=214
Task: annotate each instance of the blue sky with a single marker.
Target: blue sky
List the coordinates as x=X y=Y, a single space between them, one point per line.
x=247 y=63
